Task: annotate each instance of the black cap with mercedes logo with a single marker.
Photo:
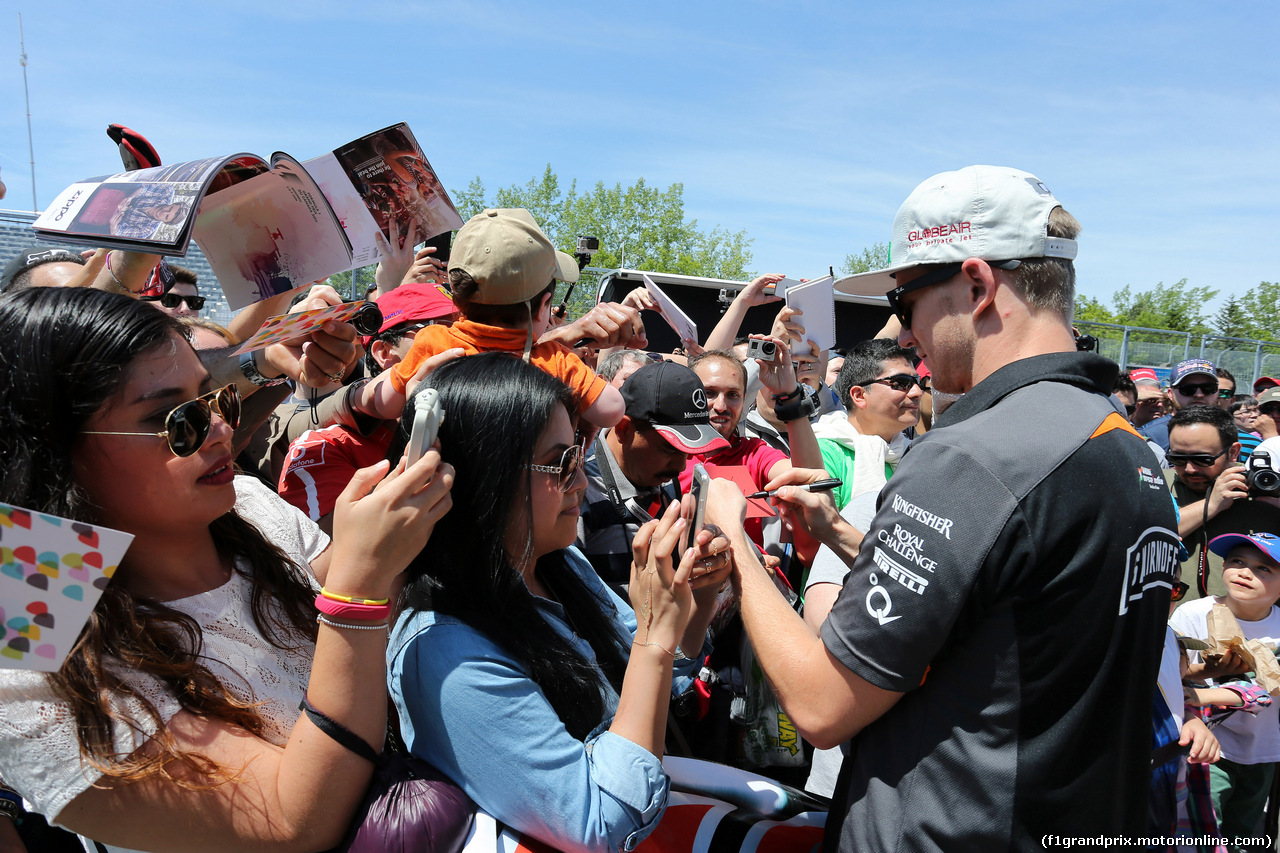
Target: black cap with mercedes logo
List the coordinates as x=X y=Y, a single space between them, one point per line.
x=671 y=398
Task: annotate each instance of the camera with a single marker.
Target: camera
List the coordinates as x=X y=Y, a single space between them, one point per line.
x=368 y=317
x=766 y=350
x=1260 y=477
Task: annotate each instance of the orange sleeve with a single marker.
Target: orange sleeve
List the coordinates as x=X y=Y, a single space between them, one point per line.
x=429 y=341
x=564 y=364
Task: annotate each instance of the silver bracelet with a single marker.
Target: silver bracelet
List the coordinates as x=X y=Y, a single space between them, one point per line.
x=380 y=626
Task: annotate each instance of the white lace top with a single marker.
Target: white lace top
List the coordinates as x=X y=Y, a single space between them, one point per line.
x=39 y=751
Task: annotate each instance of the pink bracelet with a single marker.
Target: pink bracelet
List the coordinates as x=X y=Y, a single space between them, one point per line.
x=346 y=610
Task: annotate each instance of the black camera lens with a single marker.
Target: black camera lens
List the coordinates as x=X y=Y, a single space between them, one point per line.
x=368 y=320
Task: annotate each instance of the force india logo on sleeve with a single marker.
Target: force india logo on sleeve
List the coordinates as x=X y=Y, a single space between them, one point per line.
x=1150 y=562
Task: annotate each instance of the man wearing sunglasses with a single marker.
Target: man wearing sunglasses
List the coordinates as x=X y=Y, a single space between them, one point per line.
x=183 y=298
x=1208 y=484
x=1193 y=382
x=1003 y=603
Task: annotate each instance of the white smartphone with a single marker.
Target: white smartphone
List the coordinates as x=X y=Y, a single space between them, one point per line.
x=699 y=488
x=427 y=418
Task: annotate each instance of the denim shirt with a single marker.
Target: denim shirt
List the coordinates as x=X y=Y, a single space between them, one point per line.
x=470 y=709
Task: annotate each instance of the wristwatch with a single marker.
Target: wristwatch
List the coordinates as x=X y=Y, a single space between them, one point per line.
x=800 y=404
x=249 y=369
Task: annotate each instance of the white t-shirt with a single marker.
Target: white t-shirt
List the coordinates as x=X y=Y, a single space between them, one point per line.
x=39 y=750
x=1245 y=738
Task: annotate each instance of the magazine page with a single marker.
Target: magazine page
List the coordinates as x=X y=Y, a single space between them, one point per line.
x=270 y=234
x=816 y=299
x=148 y=210
x=681 y=322
x=360 y=227
x=391 y=175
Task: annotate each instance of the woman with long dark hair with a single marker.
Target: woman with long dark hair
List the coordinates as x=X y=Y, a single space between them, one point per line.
x=515 y=670
x=174 y=723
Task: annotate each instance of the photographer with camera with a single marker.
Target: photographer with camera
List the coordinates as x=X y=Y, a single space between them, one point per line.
x=1212 y=490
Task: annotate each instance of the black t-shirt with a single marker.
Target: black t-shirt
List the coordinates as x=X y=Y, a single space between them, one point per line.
x=1014 y=586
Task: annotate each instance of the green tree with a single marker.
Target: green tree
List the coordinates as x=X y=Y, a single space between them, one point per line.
x=872 y=257
x=1231 y=320
x=1177 y=307
x=1261 y=309
x=1090 y=308
x=639 y=227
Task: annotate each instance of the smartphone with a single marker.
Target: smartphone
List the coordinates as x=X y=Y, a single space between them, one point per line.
x=699 y=488
x=426 y=423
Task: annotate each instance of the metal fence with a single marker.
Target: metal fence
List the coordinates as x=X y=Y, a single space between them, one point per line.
x=1134 y=346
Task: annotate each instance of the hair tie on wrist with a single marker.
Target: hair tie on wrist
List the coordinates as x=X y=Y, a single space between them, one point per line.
x=351 y=610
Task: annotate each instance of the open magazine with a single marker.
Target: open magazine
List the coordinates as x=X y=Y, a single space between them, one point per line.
x=266 y=226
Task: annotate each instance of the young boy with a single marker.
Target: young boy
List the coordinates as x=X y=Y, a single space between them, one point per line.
x=1250 y=743
x=502 y=274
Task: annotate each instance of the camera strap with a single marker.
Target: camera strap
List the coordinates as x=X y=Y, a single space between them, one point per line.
x=1202 y=571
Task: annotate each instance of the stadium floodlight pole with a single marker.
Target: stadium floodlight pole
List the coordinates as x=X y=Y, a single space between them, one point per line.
x=31 y=150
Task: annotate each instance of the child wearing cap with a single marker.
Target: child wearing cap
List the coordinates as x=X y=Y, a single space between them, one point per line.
x=1241 y=781
x=502 y=272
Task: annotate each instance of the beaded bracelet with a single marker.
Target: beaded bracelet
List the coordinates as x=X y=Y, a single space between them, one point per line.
x=333 y=596
x=345 y=610
x=378 y=626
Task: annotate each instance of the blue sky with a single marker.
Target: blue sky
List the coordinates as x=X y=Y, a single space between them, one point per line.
x=805 y=124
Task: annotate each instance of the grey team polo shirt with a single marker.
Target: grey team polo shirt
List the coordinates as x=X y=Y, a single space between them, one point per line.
x=1014 y=585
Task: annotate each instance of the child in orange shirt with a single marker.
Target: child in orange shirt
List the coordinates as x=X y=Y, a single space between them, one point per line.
x=502 y=273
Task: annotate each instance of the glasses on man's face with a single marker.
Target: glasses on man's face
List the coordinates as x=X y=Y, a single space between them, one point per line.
x=568 y=467
x=187 y=426
x=928 y=279
x=1226 y=393
x=1190 y=389
x=1129 y=410
x=1179 y=590
x=173 y=300
x=898 y=382
x=1200 y=460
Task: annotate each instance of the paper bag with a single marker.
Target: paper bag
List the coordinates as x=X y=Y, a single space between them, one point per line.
x=1225 y=634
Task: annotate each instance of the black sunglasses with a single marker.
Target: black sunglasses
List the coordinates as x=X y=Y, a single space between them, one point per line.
x=187 y=425
x=934 y=276
x=1200 y=460
x=898 y=382
x=1226 y=393
x=173 y=300
x=568 y=467
x=1189 y=389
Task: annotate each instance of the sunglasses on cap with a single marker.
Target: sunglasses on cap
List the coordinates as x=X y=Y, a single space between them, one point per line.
x=898 y=382
x=173 y=300
x=1200 y=460
x=187 y=425
x=1190 y=389
x=570 y=460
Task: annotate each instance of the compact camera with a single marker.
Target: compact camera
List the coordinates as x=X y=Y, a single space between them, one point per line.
x=1260 y=477
x=766 y=350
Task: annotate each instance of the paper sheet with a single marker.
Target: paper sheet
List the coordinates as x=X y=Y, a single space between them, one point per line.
x=670 y=311
x=287 y=327
x=816 y=299
x=52 y=573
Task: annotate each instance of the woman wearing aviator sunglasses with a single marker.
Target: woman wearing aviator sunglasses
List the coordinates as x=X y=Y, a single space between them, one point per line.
x=515 y=670
x=174 y=722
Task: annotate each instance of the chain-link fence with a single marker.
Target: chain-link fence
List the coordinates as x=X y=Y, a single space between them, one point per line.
x=1133 y=346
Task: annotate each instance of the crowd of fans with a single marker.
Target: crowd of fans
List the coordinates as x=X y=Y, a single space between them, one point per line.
x=969 y=630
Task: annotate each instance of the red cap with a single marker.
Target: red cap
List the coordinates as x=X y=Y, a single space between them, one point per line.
x=1144 y=374
x=413 y=302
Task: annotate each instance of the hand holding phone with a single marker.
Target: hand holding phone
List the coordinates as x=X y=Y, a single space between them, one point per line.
x=427 y=418
x=699 y=488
